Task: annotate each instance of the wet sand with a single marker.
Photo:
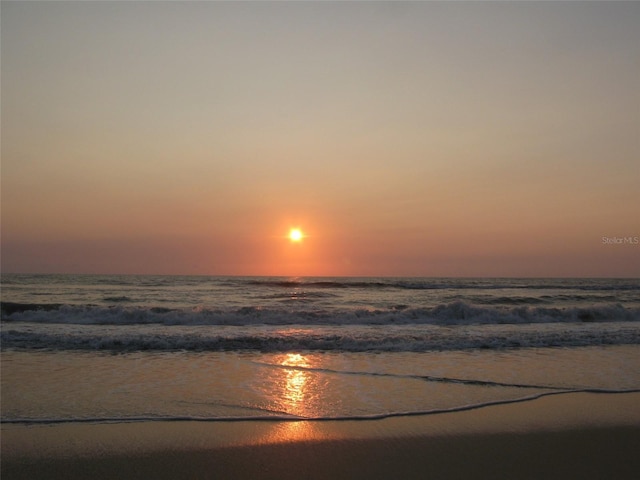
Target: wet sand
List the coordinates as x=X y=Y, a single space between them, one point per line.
x=565 y=436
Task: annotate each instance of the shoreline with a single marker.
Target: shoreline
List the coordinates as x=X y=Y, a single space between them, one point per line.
x=583 y=435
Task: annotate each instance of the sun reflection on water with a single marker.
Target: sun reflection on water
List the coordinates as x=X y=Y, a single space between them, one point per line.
x=295 y=383
x=295 y=390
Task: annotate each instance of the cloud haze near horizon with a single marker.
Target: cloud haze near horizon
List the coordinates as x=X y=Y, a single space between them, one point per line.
x=404 y=138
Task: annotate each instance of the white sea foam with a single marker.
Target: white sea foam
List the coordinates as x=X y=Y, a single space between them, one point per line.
x=454 y=313
x=343 y=338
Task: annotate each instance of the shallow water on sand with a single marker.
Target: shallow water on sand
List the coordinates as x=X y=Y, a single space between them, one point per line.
x=68 y=385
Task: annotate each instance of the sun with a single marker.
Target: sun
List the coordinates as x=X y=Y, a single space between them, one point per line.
x=295 y=235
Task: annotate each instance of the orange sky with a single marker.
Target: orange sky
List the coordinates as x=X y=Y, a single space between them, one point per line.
x=404 y=138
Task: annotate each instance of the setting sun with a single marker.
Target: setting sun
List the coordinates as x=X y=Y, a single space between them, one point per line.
x=295 y=235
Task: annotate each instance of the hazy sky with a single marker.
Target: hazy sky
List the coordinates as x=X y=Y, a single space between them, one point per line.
x=403 y=138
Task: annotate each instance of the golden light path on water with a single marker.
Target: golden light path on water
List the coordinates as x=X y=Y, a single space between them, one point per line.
x=295 y=382
x=296 y=397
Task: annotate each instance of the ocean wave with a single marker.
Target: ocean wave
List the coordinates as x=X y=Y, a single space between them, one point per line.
x=511 y=300
x=454 y=313
x=297 y=295
x=442 y=284
x=118 y=299
x=329 y=339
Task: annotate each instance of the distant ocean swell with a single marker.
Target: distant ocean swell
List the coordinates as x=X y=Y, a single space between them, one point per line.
x=454 y=313
x=438 y=284
x=341 y=283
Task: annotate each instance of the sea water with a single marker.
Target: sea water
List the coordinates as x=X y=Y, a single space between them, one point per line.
x=142 y=348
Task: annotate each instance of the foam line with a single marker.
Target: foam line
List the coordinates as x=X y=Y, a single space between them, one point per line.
x=289 y=418
x=488 y=383
x=238 y=407
x=429 y=378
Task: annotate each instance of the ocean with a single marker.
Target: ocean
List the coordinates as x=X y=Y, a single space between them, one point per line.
x=105 y=348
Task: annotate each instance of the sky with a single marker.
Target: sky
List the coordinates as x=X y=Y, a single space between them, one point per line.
x=481 y=139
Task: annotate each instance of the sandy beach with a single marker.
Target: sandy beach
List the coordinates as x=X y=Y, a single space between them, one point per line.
x=578 y=435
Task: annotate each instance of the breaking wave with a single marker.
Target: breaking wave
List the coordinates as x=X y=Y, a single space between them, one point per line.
x=454 y=313
x=410 y=338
